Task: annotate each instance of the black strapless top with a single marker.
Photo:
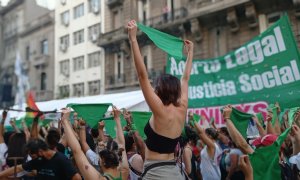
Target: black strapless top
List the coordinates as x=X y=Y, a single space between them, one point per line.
x=159 y=143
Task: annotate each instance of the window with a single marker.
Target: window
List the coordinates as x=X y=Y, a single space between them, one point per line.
x=65 y=40
x=43 y=81
x=65 y=67
x=273 y=17
x=94 y=59
x=78 y=37
x=94 y=32
x=117 y=18
x=65 y=18
x=119 y=63
x=44 y=47
x=94 y=87
x=94 y=6
x=78 y=63
x=78 y=11
x=146 y=62
x=64 y=91
x=78 y=89
x=27 y=53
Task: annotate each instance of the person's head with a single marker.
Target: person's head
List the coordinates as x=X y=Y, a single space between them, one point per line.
x=264 y=141
x=90 y=141
x=168 y=89
x=94 y=132
x=129 y=143
x=190 y=137
x=36 y=148
x=6 y=136
x=109 y=159
x=53 y=138
x=224 y=136
x=212 y=133
x=111 y=145
x=16 y=144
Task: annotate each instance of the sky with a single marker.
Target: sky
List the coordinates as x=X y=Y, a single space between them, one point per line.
x=50 y=4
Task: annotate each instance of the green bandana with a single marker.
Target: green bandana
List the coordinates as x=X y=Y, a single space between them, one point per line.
x=90 y=113
x=265 y=160
x=170 y=44
x=240 y=121
x=291 y=114
x=140 y=120
x=273 y=108
x=260 y=119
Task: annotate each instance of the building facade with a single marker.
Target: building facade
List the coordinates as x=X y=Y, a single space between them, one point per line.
x=78 y=60
x=22 y=24
x=215 y=26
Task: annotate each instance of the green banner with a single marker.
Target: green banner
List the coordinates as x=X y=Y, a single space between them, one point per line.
x=264 y=69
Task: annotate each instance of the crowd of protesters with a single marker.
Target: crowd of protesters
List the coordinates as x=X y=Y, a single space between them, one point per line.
x=176 y=147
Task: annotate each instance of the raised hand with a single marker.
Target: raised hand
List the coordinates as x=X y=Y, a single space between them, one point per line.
x=227 y=112
x=66 y=113
x=245 y=166
x=116 y=112
x=132 y=29
x=101 y=125
x=189 y=46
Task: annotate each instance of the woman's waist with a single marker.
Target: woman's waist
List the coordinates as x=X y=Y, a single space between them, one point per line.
x=156 y=156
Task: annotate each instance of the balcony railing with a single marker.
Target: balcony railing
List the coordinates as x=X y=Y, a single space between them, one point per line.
x=112 y=36
x=42 y=59
x=114 y=3
x=44 y=95
x=116 y=81
x=165 y=19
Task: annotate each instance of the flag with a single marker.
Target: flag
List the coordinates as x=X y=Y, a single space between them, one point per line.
x=272 y=108
x=240 y=121
x=260 y=119
x=170 y=44
x=32 y=105
x=23 y=83
x=291 y=114
x=140 y=120
x=265 y=160
x=91 y=113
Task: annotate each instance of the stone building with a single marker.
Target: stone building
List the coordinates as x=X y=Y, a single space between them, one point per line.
x=215 y=26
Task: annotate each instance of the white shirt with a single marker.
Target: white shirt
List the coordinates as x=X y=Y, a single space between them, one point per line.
x=92 y=157
x=209 y=168
x=3 y=149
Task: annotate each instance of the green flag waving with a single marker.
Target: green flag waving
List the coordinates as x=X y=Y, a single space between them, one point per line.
x=140 y=120
x=240 y=121
x=91 y=113
x=291 y=114
x=265 y=160
x=170 y=44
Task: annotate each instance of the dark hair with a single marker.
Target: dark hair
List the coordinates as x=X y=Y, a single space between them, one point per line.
x=94 y=133
x=90 y=141
x=16 y=144
x=6 y=136
x=212 y=133
x=110 y=158
x=190 y=135
x=33 y=146
x=53 y=138
x=112 y=145
x=224 y=131
x=168 y=89
x=128 y=142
